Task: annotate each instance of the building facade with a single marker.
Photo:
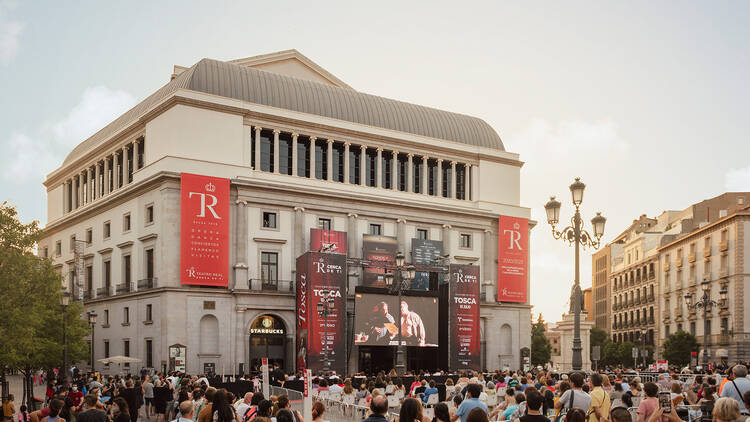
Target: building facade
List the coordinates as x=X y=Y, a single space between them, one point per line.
x=301 y=150
x=600 y=276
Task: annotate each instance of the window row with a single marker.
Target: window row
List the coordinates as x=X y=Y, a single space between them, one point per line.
x=149 y=344
x=105 y=176
x=84 y=284
x=327 y=159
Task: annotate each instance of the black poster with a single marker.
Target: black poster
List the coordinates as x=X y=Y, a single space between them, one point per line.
x=425 y=252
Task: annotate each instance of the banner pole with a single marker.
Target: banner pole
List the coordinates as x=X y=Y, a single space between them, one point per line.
x=266 y=379
x=307 y=403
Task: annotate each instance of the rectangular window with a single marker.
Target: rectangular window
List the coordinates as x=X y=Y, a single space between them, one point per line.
x=666 y=330
x=303 y=156
x=692 y=327
x=106 y=230
x=386 y=163
x=266 y=150
x=126 y=348
x=149 y=214
x=269 y=220
x=106 y=348
x=126 y=269
x=126 y=222
x=141 y=150
x=324 y=223
x=285 y=153
x=354 y=165
x=465 y=240
x=422 y=234
x=148 y=312
x=130 y=164
x=432 y=176
x=371 y=167
x=337 y=161
x=376 y=229
x=252 y=148
x=417 y=173
x=321 y=159
x=403 y=172
x=447 y=175
x=708 y=327
x=58 y=248
x=73 y=243
x=269 y=267
x=724 y=326
x=125 y=316
x=106 y=317
x=150 y=265
x=89 y=236
x=107 y=278
x=89 y=280
x=149 y=354
x=45 y=253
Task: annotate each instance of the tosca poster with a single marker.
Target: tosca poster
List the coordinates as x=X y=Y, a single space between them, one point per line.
x=204 y=230
x=463 y=294
x=317 y=275
x=512 y=259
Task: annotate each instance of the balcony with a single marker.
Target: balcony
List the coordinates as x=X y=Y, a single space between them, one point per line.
x=267 y=285
x=124 y=288
x=651 y=275
x=691 y=257
x=723 y=272
x=666 y=266
x=706 y=252
x=665 y=314
x=724 y=246
x=103 y=291
x=147 y=283
x=651 y=297
x=651 y=320
x=88 y=294
x=678 y=262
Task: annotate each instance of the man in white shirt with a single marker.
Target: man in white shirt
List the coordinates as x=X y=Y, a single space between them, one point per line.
x=242 y=408
x=186 y=411
x=335 y=387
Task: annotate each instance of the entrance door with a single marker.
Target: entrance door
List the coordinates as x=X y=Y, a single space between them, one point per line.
x=267 y=339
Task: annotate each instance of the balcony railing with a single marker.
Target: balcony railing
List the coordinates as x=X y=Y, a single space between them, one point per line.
x=124 y=288
x=88 y=294
x=707 y=252
x=271 y=285
x=650 y=320
x=723 y=245
x=103 y=291
x=650 y=297
x=147 y=283
x=651 y=275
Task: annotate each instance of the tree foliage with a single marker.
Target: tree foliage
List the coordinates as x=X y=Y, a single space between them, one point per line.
x=541 y=349
x=679 y=346
x=31 y=316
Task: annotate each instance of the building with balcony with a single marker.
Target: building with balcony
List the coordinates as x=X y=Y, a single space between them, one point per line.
x=301 y=150
x=600 y=276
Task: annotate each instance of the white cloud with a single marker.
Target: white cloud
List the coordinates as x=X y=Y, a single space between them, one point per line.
x=737 y=180
x=10 y=32
x=31 y=157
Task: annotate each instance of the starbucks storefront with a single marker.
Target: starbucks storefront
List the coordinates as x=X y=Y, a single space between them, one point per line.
x=267 y=339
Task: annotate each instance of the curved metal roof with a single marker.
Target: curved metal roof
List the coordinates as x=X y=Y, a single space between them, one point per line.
x=285 y=92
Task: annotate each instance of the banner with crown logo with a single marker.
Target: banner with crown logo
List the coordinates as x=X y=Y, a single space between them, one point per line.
x=512 y=259
x=204 y=230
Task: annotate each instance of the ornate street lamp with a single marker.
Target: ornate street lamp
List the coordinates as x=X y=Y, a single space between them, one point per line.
x=92 y=322
x=706 y=303
x=395 y=282
x=575 y=234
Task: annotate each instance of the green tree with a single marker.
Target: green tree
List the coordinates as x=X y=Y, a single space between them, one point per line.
x=678 y=348
x=541 y=349
x=31 y=317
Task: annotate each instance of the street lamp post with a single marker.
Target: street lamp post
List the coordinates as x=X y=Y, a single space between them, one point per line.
x=325 y=306
x=65 y=301
x=643 y=346
x=92 y=322
x=575 y=234
x=706 y=304
x=395 y=281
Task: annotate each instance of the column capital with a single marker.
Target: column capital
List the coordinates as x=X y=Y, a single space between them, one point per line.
x=276 y=131
x=447 y=226
x=258 y=129
x=424 y=158
x=453 y=163
x=329 y=140
x=347 y=144
x=401 y=220
x=488 y=231
x=410 y=155
x=302 y=209
x=363 y=147
x=352 y=215
x=241 y=202
x=468 y=166
x=395 y=153
x=137 y=141
x=295 y=134
x=125 y=147
x=313 y=139
x=439 y=160
x=379 y=149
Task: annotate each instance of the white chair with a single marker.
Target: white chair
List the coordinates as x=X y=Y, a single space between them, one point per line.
x=389 y=389
x=393 y=401
x=428 y=412
x=491 y=400
x=323 y=395
x=334 y=397
x=348 y=399
x=399 y=394
x=362 y=403
x=432 y=400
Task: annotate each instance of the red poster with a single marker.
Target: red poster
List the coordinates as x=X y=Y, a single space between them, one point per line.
x=321 y=276
x=512 y=259
x=464 y=317
x=330 y=241
x=204 y=230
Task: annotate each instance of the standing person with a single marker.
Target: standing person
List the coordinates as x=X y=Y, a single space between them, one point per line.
x=222 y=409
x=90 y=411
x=148 y=396
x=650 y=403
x=120 y=410
x=131 y=398
x=185 y=411
x=162 y=393
x=9 y=408
x=55 y=406
x=534 y=402
x=472 y=400
x=206 y=414
x=600 y=402
x=737 y=387
x=317 y=411
x=575 y=397
x=76 y=402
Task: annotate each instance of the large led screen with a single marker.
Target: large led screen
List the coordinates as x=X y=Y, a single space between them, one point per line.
x=375 y=321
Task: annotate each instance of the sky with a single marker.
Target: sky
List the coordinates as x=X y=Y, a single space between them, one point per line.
x=646 y=101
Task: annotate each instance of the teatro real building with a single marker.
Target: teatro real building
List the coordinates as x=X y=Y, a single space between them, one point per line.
x=193 y=224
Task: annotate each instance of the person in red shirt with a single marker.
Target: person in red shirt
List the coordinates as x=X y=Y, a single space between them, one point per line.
x=77 y=398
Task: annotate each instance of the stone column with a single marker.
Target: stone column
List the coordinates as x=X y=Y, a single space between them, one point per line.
x=401 y=235
x=410 y=173
x=447 y=238
x=295 y=156
x=312 y=157
x=440 y=177
x=115 y=170
x=89 y=185
x=136 y=161
x=81 y=190
x=394 y=173
x=467 y=183
x=257 y=147
x=299 y=232
x=106 y=175
x=240 y=255
x=425 y=176
x=351 y=235
x=346 y=161
x=329 y=161
x=239 y=339
x=97 y=181
x=276 y=150
x=474 y=182
x=488 y=263
x=453 y=179
x=65 y=196
x=379 y=167
x=125 y=164
x=362 y=165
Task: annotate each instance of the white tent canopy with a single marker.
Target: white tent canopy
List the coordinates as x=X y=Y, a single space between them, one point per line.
x=119 y=359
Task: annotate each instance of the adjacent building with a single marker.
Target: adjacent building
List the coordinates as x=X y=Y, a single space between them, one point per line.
x=600 y=276
x=301 y=150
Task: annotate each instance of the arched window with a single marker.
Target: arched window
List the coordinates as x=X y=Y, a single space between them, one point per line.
x=506 y=340
x=209 y=335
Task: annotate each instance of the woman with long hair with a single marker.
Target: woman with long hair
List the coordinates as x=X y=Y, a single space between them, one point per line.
x=317 y=411
x=120 y=410
x=222 y=408
x=55 y=406
x=411 y=411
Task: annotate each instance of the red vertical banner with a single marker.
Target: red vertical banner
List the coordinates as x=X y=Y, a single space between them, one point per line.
x=463 y=299
x=512 y=259
x=204 y=230
x=302 y=312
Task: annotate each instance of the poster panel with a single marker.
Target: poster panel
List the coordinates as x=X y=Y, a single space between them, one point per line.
x=425 y=252
x=204 y=230
x=375 y=321
x=321 y=276
x=380 y=251
x=512 y=258
x=330 y=241
x=463 y=296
